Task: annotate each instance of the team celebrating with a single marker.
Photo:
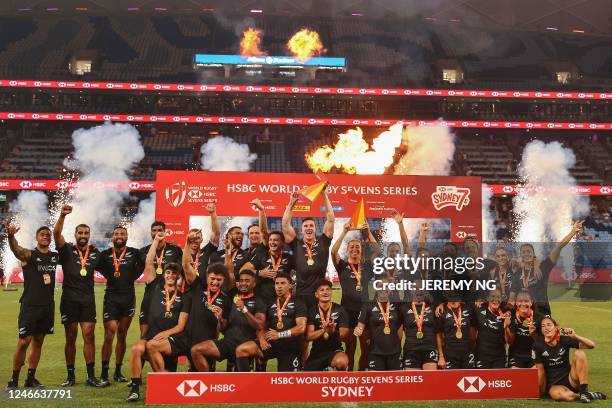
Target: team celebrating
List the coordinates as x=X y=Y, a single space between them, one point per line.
x=272 y=301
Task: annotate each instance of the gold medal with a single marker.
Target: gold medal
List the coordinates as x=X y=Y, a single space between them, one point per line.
x=236 y=299
x=310 y=262
x=117 y=274
x=326 y=336
x=279 y=326
x=159 y=270
x=83 y=272
x=117 y=262
x=209 y=307
x=168 y=315
x=459 y=335
x=47 y=279
x=419 y=335
x=358 y=288
x=387 y=330
x=526 y=322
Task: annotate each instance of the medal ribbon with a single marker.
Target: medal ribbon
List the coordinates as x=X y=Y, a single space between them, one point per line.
x=457 y=317
x=275 y=262
x=196 y=262
x=116 y=261
x=325 y=319
x=356 y=271
x=160 y=259
x=502 y=281
x=279 y=310
x=169 y=301
x=386 y=313
x=82 y=257
x=208 y=295
x=518 y=316
x=419 y=319
x=246 y=296
x=308 y=248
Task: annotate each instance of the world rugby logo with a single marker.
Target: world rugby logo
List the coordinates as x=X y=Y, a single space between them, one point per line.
x=176 y=193
x=450 y=196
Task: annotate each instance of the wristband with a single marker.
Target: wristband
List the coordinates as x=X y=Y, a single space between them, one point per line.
x=284 y=334
x=245 y=310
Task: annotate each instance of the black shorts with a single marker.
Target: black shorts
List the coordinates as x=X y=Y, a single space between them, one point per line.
x=77 y=311
x=287 y=358
x=353 y=318
x=227 y=349
x=564 y=381
x=459 y=359
x=144 y=307
x=118 y=307
x=378 y=362
x=321 y=362
x=521 y=361
x=491 y=362
x=36 y=320
x=416 y=358
x=180 y=345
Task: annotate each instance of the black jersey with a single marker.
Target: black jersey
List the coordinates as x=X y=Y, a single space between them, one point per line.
x=428 y=340
x=381 y=343
x=257 y=249
x=238 y=329
x=504 y=281
x=157 y=317
x=130 y=269
x=309 y=275
x=523 y=342
x=202 y=322
x=556 y=359
x=39 y=278
x=322 y=346
x=240 y=257
x=203 y=259
x=75 y=285
x=171 y=254
x=263 y=260
x=538 y=288
x=293 y=310
x=448 y=326
x=491 y=342
x=351 y=296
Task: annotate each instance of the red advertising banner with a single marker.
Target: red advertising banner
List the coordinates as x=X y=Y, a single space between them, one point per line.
x=295 y=90
x=251 y=120
x=236 y=388
x=181 y=194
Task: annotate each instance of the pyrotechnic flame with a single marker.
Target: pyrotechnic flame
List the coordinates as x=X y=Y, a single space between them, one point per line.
x=304 y=44
x=353 y=155
x=249 y=45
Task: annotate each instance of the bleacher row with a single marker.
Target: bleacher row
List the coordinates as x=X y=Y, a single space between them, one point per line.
x=134 y=48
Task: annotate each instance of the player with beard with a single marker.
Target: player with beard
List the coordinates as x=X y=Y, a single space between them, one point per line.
x=167 y=311
x=121 y=266
x=420 y=326
x=236 y=254
x=201 y=256
x=327 y=328
x=533 y=274
x=384 y=324
x=560 y=379
x=493 y=333
x=246 y=317
x=78 y=303
x=166 y=253
x=523 y=332
x=268 y=264
x=456 y=329
x=311 y=253
x=354 y=274
x=258 y=233
x=281 y=336
x=36 y=314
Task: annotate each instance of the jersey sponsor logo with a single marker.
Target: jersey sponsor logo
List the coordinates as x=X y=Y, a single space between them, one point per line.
x=191 y=388
x=545 y=354
x=450 y=196
x=470 y=384
x=176 y=193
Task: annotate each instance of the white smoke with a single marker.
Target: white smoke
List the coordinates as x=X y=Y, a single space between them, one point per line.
x=488 y=217
x=430 y=151
x=224 y=154
x=30 y=209
x=139 y=229
x=547 y=215
x=103 y=153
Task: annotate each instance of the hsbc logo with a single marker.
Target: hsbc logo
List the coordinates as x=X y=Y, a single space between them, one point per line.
x=550 y=125
x=176 y=118
x=605 y=190
x=86 y=85
x=110 y=85
x=385 y=92
x=486 y=124
x=221 y=120
x=289 y=120
x=508 y=189
x=130 y=118
x=191 y=388
x=26 y=184
x=195 y=194
x=227 y=88
x=272 y=89
x=356 y=122
x=134 y=185
x=267 y=120
x=460 y=234
x=318 y=90
x=62 y=185
x=538 y=94
x=61 y=84
x=471 y=384
x=295 y=89
x=11 y=116
x=244 y=120
x=429 y=92
x=334 y=121
x=473 y=93
x=249 y=88
x=203 y=88
x=133 y=86
x=13 y=83
x=37 y=83
x=35 y=116
x=199 y=119
x=312 y=121
x=106 y=117
x=157 y=86
x=407 y=92
x=176 y=193
x=572 y=125
x=378 y=122
x=180 y=87
x=340 y=90
x=451 y=93
x=362 y=91
x=169 y=232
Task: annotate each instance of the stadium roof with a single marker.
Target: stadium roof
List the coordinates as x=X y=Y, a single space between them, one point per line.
x=588 y=16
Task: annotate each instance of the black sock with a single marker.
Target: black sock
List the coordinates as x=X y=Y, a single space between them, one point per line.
x=70 y=369
x=584 y=388
x=261 y=367
x=15 y=377
x=104 y=370
x=136 y=385
x=31 y=373
x=118 y=368
x=90 y=370
x=243 y=364
x=230 y=366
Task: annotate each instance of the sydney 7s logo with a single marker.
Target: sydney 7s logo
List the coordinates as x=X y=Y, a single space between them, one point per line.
x=450 y=196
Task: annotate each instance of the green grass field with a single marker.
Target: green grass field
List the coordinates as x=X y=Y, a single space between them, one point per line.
x=591 y=319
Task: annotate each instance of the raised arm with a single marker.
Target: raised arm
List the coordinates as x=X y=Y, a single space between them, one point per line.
x=423 y=234
x=336 y=247
x=372 y=242
x=229 y=264
x=399 y=218
x=190 y=272
x=59 y=227
x=556 y=252
x=20 y=253
x=214 y=224
x=287 y=229
x=150 y=272
x=328 y=228
x=263 y=221
x=584 y=342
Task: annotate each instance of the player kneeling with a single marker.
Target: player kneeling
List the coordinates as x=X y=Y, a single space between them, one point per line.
x=564 y=381
x=327 y=327
x=280 y=339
